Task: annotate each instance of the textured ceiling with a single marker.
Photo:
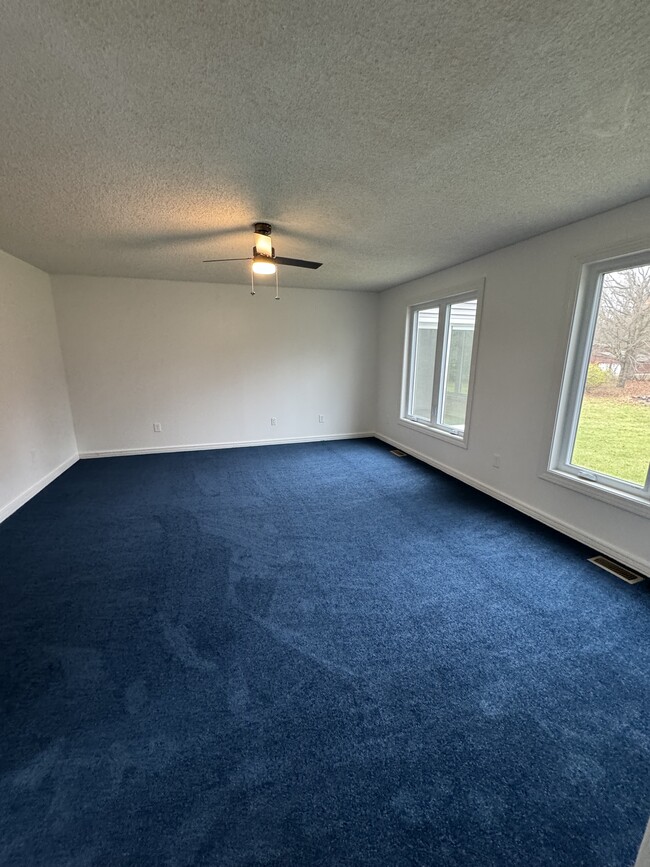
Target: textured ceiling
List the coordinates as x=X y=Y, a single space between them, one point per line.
x=385 y=138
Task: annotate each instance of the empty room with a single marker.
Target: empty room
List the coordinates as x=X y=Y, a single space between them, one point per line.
x=325 y=433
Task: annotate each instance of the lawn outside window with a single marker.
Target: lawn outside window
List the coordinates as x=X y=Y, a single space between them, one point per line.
x=601 y=442
x=440 y=357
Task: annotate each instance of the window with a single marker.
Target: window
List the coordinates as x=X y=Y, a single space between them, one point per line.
x=602 y=437
x=439 y=368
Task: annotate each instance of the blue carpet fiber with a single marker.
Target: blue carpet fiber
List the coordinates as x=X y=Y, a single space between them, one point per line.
x=313 y=654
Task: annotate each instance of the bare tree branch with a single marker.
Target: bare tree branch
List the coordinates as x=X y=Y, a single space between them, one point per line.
x=623 y=324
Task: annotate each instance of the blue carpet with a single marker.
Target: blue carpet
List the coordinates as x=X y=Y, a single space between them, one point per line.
x=312 y=655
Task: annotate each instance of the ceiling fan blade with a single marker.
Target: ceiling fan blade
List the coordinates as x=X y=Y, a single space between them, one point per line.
x=244 y=259
x=299 y=263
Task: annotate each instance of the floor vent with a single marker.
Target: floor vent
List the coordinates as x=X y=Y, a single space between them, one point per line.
x=398 y=453
x=622 y=572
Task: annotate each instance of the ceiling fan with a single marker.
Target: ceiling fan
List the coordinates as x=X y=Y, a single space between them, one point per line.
x=264 y=259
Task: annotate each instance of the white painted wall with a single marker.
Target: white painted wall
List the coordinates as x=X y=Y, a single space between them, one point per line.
x=212 y=364
x=643 y=857
x=529 y=295
x=37 y=439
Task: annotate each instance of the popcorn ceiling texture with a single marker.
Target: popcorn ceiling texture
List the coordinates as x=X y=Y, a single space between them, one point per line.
x=386 y=139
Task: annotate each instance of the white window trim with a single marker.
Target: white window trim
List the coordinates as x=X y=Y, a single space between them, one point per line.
x=597 y=485
x=467 y=293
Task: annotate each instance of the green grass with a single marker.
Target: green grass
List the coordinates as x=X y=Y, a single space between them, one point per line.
x=613 y=438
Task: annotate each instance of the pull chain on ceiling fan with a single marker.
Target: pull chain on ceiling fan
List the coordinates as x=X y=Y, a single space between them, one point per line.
x=264 y=259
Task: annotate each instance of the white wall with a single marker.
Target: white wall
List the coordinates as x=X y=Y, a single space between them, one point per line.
x=212 y=364
x=643 y=857
x=529 y=294
x=37 y=439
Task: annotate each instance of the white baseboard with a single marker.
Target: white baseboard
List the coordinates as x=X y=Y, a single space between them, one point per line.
x=550 y=521
x=238 y=444
x=34 y=489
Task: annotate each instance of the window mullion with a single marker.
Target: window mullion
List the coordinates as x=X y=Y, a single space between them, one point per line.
x=441 y=355
x=435 y=391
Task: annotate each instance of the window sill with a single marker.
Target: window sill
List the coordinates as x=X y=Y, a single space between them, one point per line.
x=622 y=499
x=438 y=433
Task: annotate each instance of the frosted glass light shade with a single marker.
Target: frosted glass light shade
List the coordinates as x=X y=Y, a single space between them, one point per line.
x=260 y=267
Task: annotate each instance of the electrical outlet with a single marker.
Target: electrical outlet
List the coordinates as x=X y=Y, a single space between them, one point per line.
x=157 y=427
x=321 y=419
x=274 y=421
x=496 y=462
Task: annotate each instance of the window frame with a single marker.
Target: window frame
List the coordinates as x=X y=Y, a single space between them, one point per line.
x=444 y=304
x=559 y=468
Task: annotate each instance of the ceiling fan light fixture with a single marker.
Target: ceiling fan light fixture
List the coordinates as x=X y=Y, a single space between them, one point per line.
x=264 y=259
x=263 y=266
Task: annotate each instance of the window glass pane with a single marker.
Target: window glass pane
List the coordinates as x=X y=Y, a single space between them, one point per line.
x=460 y=339
x=424 y=357
x=613 y=433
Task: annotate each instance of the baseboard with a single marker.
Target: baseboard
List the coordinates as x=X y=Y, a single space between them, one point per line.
x=550 y=521
x=34 y=489
x=237 y=444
